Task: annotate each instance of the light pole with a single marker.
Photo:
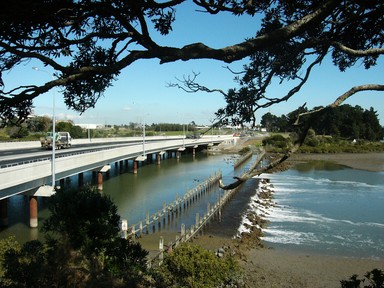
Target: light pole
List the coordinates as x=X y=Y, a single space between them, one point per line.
x=53 y=132
x=144 y=139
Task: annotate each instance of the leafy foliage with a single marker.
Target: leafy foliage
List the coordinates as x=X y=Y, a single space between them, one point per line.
x=6 y=245
x=92 y=229
x=278 y=142
x=82 y=248
x=192 y=266
x=88 y=43
x=374 y=277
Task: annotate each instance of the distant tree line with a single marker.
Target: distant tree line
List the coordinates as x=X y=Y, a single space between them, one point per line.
x=173 y=127
x=344 y=121
x=39 y=125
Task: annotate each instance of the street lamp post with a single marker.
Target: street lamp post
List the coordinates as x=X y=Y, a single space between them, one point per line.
x=144 y=139
x=53 y=132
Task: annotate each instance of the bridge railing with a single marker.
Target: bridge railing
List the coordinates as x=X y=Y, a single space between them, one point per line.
x=39 y=173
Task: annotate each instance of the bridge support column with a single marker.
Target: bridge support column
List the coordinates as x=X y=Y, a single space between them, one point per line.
x=33 y=220
x=158 y=158
x=100 y=181
x=177 y=155
x=121 y=167
x=80 y=180
x=4 y=212
x=194 y=151
x=135 y=165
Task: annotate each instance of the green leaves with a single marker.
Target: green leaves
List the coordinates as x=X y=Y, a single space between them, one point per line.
x=192 y=266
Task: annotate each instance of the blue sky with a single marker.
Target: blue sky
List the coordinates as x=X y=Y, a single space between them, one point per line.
x=141 y=94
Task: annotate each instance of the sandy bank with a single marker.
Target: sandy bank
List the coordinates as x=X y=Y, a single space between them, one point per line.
x=277 y=268
x=361 y=161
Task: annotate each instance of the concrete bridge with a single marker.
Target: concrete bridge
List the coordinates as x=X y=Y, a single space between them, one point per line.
x=35 y=178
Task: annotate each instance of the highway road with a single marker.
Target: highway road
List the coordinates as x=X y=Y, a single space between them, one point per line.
x=12 y=157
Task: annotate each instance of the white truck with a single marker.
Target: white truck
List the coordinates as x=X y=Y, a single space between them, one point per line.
x=62 y=140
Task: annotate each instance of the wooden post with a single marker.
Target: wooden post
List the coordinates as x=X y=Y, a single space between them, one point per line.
x=197 y=220
x=124 y=228
x=182 y=234
x=147 y=221
x=219 y=208
x=161 y=248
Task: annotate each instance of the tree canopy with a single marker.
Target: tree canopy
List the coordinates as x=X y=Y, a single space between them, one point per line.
x=343 y=121
x=82 y=248
x=88 y=43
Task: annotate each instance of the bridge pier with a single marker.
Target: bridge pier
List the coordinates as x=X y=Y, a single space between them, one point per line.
x=121 y=167
x=135 y=166
x=33 y=220
x=4 y=212
x=158 y=158
x=100 y=181
x=81 y=179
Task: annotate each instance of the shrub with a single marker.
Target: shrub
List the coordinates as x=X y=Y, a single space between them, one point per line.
x=192 y=266
x=374 y=277
x=278 y=142
x=244 y=150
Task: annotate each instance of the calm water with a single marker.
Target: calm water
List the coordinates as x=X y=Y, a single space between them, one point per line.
x=328 y=209
x=135 y=195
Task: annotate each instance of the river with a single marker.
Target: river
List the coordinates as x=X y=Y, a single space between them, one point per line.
x=320 y=207
x=134 y=194
x=329 y=209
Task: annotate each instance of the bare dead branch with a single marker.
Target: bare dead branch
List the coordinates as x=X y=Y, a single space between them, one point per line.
x=190 y=85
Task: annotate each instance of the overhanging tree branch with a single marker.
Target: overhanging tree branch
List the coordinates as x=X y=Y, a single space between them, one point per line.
x=358 y=53
x=88 y=44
